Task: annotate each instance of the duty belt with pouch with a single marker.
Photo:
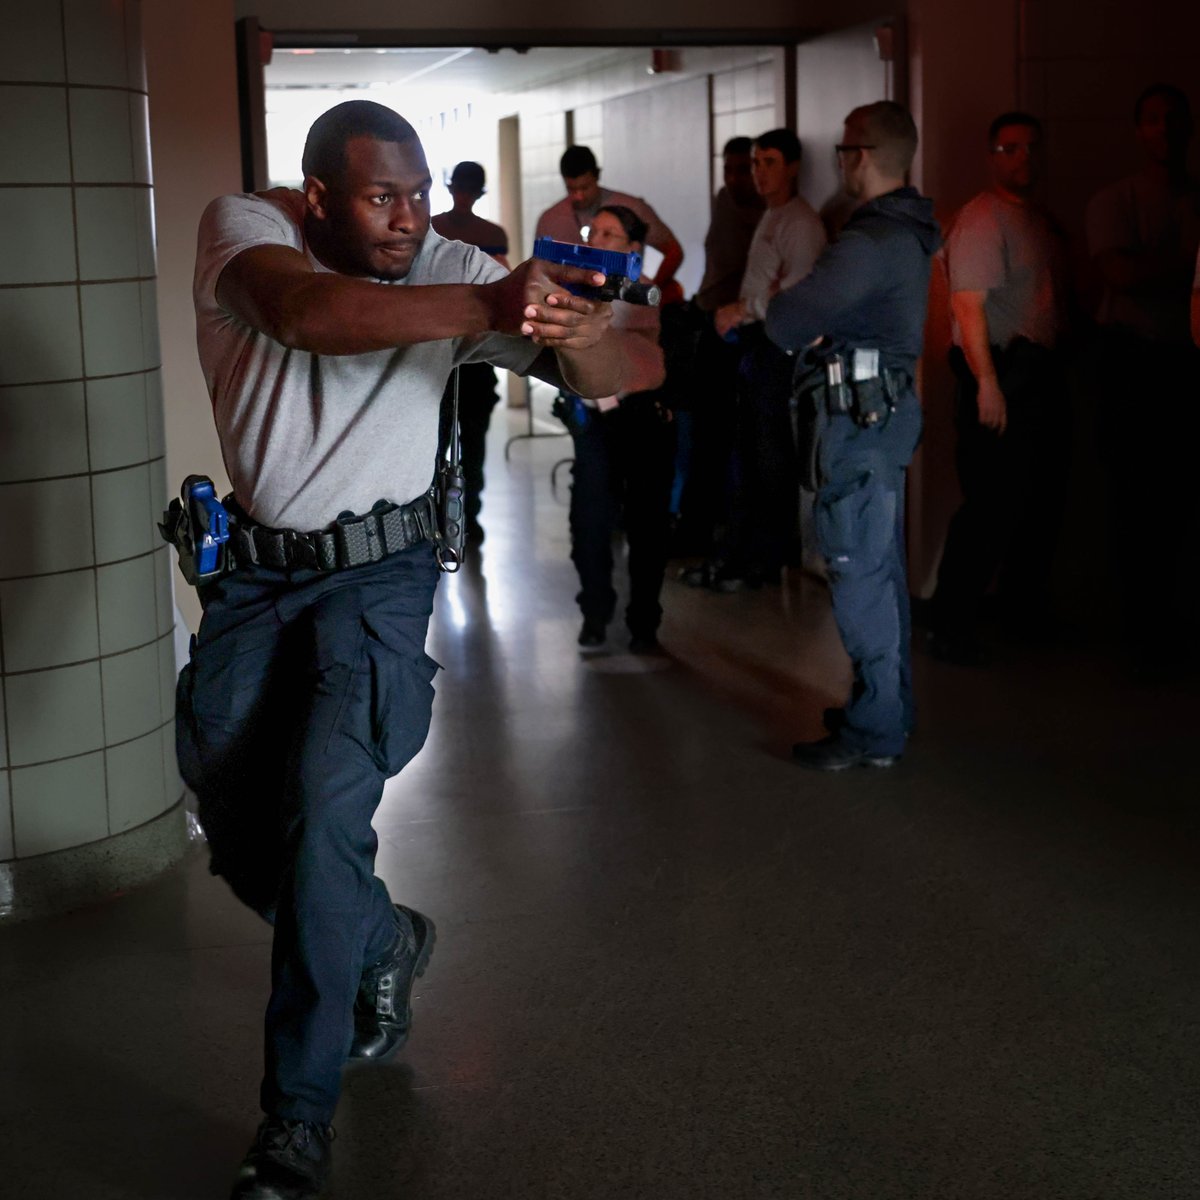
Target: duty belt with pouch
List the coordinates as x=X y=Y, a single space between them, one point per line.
x=214 y=537
x=842 y=385
x=854 y=386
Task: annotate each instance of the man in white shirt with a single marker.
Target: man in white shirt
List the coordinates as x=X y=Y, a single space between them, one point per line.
x=789 y=238
x=1008 y=271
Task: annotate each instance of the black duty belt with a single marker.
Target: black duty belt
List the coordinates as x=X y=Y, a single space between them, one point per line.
x=352 y=541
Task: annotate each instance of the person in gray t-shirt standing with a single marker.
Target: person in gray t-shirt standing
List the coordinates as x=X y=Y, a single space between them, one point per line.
x=328 y=320
x=1008 y=271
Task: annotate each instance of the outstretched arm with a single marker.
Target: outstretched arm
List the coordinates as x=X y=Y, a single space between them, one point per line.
x=275 y=290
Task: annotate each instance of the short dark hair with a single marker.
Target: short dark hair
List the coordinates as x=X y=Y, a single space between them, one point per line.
x=1014 y=118
x=576 y=161
x=783 y=140
x=635 y=228
x=737 y=145
x=468 y=177
x=1168 y=91
x=325 y=147
x=893 y=131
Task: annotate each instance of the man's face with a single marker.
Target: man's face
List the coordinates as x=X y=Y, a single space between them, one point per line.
x=1164 y=129
x=773 y=177
x=1015 y=158
x=583 y=190
x=739 y=181
x=852 y=163
x=376 y=213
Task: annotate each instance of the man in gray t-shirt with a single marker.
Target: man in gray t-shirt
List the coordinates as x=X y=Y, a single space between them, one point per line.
x=328 y=320
x=1008 y=272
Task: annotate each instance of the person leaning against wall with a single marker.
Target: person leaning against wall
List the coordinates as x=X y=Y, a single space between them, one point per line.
x=1008 y=270
x=1143 y=235
x=756 y=543
x=328 y=321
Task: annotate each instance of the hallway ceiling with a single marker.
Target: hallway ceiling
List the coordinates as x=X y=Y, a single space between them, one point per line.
x=463 y=67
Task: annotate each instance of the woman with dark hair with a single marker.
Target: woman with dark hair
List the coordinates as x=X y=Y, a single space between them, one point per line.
x=624 y=459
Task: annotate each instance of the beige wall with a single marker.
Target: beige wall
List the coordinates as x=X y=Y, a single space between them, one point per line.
x=195 y=152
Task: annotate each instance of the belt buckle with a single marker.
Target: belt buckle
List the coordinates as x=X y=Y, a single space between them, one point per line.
x=299 y=550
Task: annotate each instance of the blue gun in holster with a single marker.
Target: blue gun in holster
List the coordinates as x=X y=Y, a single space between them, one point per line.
x=622 y=271
x=197 y=525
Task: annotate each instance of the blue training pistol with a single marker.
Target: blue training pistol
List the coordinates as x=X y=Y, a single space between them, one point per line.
x=620 y=269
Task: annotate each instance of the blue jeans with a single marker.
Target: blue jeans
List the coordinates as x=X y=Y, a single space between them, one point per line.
x=305 y=692
x=859 y=518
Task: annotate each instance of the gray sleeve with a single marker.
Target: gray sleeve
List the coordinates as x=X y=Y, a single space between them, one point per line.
x=503 y=350
x=231 y=224
x=975 y=250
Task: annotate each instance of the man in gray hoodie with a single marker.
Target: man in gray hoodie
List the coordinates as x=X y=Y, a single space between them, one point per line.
x=859 y=317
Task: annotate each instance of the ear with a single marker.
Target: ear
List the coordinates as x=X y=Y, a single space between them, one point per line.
x=315 y=193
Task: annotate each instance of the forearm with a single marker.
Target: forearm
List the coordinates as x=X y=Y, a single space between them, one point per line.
x=332 y=314
x=973 y=330
x=604 y=369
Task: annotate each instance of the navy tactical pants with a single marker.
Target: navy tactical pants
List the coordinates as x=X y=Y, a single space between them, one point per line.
x=305 y=692
x=859 y=518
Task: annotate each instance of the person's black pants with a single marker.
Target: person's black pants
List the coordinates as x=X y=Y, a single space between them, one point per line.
x=476 y=400
x=766 y=485
x=305 y=692
x=1148 y=423
x=624 y=459
x=707 y=494
x=1014 y=488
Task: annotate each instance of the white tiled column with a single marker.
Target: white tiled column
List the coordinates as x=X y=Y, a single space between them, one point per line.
x=89 y=788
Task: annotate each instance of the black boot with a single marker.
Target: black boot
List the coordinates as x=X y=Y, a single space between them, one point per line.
x=289 y=1160
x=383 y=1008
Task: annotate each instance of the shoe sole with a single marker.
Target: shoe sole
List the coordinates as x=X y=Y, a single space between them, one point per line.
x=875 y=762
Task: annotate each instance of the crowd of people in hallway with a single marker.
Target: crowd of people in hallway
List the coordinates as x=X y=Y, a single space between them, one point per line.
x=793 y=371
x=1024 y=342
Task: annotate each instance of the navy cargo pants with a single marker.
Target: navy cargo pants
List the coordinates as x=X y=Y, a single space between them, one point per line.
x=859 y=518
x=305 y=692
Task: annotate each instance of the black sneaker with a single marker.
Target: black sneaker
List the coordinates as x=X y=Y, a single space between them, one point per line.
x=289 y=1160
x=645 y=642
x=383 y=1007
x=832 y=754
x=591 y=635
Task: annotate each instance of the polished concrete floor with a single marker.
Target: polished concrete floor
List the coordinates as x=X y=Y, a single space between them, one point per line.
x=671 y=965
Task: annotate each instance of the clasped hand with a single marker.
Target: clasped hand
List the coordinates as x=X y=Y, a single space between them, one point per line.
x=533 y=301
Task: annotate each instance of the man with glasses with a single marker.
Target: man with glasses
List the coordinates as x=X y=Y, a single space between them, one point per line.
x=858 y=321
x=1008 y=271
